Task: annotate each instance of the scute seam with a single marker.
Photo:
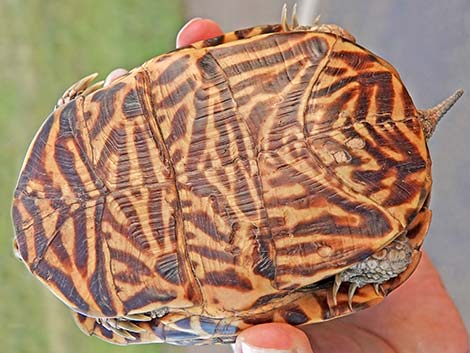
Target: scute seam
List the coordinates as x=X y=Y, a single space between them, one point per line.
x=255 y=149
x=37 y=259
x=179 y=209
x=324 y=168
x=80 y=105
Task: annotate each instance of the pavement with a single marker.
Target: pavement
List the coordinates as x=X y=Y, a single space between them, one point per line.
x=428 y=42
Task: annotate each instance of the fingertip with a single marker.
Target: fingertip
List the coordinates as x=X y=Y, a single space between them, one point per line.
x=114 y=75
x=197 y=29
x=186 y=27
x=272 y=338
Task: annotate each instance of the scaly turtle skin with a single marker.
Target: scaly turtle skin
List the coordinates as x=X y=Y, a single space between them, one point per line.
x=273 y=174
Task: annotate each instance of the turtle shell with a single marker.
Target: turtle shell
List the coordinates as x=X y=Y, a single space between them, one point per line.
x=223 y=185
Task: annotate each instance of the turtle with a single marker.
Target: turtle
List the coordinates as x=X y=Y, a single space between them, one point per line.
x=273 y=174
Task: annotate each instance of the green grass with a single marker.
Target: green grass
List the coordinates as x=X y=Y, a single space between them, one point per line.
x=44 y=47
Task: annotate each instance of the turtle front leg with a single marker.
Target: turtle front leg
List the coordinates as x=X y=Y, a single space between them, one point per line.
x=81 y=87
x=123 y=330
x=177 y=328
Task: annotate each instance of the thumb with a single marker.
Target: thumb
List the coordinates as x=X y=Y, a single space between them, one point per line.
x=272 y=338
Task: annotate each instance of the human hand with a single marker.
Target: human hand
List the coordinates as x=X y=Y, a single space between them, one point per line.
x=417 y=317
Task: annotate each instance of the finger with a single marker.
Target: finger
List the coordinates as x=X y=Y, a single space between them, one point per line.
x=197 y=29
x=272 y=338
x=114 y=75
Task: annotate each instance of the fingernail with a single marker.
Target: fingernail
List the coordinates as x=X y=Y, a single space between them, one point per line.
x=114 y=75
x=272 y=338
x=184 y=27
x=245 y=347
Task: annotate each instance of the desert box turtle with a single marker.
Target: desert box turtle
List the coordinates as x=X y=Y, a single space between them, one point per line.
x=273 y=174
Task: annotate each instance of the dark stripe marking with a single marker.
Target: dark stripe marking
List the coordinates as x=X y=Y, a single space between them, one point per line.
x=80 y=239
x=98 y=282
x=268 y=298
x=104 y=331
x=147 y=296
x=177 y=95
x=58 y=248
x=263 y=263
x=131 y=105
x=39 y=233
x=63 y=283
x=133 y=263
x=167 y=267
x=294 y=315
x=317 y=48
x=106 y=99
x=20 y=236
x=173 y=70
x=206 y=224
x=179 y=126
x=213 y=254
x=229 y=279
x=213 y=41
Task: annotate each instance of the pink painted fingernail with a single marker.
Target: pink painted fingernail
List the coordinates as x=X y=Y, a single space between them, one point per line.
x=184 y=27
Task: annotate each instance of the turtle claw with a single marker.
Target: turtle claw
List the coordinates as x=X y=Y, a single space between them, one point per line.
x=352 y=289
x=286 y=27
x=284 y=24
x=123 y=333
x=316 y=21
x=94 y=87
x=379 y=290
x=121 y=327
x=79 y=88
x=295 y=20
x=129 y=326
x=138 y=317
x=336 y=286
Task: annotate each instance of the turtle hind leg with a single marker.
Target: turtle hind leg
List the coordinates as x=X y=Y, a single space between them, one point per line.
x=377 y=268
x=317 y=27
x=286 y=27
x=391 y=266
x=310 y=306
x=318 y=302
x=333 y=29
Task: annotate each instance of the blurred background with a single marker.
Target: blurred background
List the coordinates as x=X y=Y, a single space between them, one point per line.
x=47 y=45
